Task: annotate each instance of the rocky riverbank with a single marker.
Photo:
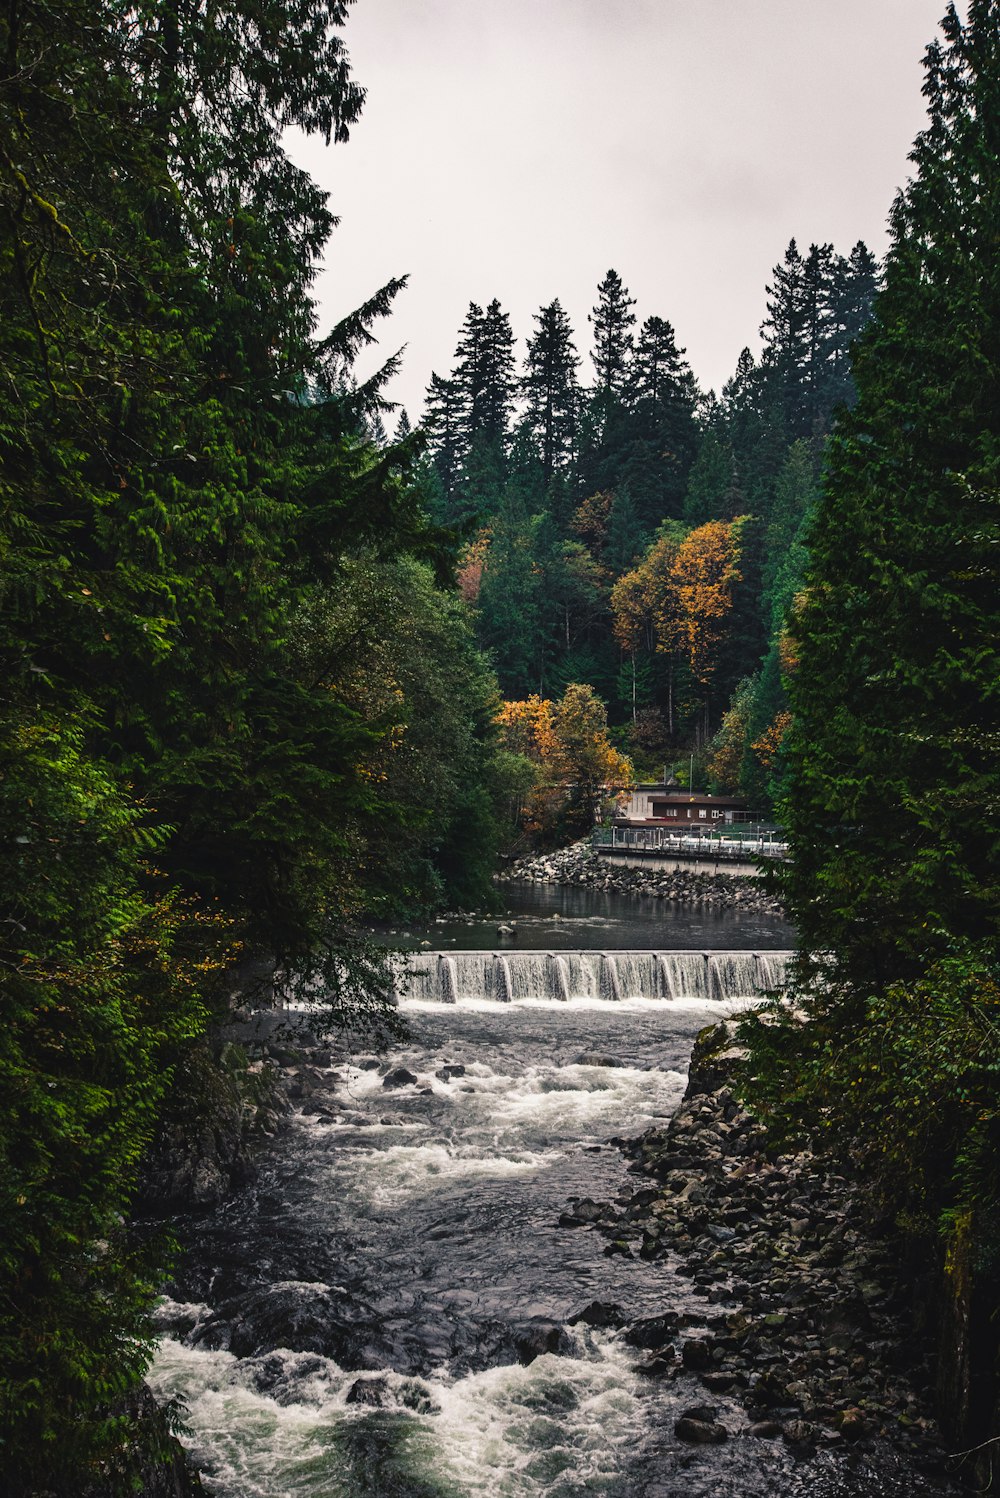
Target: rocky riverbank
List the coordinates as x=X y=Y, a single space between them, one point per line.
x=802 y=1336
x=579 y=865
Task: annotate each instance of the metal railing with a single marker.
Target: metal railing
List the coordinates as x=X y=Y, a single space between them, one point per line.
x=736 y=844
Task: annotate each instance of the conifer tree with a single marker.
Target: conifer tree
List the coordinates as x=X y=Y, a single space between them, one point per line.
x=892 y=761
x=550 y=388
x=484 y=376
x=612 y=320
x=664 y=436
x=446 y=444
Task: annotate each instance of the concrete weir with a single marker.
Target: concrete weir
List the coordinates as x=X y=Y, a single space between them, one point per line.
x=504 y=977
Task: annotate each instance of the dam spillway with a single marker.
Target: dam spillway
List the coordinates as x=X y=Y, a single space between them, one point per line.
x=509 y=976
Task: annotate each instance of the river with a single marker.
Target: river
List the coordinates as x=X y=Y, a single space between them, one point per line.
x=391 y=1309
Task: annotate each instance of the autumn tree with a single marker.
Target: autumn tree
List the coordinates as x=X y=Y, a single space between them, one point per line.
x=699 y=600
x=585 y=759
x=642 y=606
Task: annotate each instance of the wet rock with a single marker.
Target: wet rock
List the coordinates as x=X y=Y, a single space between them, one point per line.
x=654 y=1331
x=400 y=1076
x=597 y=1058
x=852 y=1425
x=764 y=1430
x=371 y=1391
x=700 y=1432
x=586 y=1210
x=445 y=1073
x=302 y=1318
x=696 y=1353
x=600 y=1313
x=540 y=1337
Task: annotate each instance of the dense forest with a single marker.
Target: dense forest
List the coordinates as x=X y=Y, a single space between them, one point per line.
x=639 y=535
x=268 y=671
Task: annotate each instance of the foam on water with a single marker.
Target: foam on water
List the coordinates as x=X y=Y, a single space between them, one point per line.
x=280 y=1425
x=446 y=1239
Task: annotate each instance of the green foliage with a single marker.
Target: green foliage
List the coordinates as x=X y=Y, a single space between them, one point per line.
x=893 y=789
x=891 y=1056
x=103 y=970
x=904 y=1084
x=187 y=472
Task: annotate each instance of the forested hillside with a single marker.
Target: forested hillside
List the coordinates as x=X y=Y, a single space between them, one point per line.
x=634 y=533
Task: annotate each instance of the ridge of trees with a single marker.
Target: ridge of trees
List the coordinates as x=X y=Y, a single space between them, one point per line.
x=582 y=506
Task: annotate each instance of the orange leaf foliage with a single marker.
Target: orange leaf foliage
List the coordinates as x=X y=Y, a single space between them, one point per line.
x=702 y=578
x=591 y=519
x=641 y=599
x=767 y=746
x=527 y=728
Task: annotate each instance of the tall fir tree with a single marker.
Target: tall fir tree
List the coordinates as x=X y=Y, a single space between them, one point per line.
x=550 y=388
x=664 y=436
x=612 y=320
x=893 y=776
x=444 y=426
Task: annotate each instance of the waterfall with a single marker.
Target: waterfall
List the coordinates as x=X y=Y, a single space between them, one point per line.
x=504 y=986
x=446 y=977
x=449 y=980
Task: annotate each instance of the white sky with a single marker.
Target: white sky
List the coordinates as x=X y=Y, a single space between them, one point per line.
x=518 y=148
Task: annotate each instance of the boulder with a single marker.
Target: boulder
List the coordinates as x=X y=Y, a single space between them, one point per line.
x=398 y=1077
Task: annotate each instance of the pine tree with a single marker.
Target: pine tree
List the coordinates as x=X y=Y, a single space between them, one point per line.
x=893 y=779
x=550 y=388
x=612 y=319
x=664 y=436
x=446 y=444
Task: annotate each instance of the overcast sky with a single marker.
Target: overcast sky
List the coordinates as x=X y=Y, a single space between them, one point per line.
x=518 y=148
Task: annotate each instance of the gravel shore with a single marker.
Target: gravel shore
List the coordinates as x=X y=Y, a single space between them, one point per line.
x=791 y=1324
x=579 y=865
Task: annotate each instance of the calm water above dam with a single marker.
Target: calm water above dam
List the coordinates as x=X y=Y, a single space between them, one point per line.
x=563 y=917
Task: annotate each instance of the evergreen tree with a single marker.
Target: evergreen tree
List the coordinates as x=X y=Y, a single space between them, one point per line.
x=855 y=287
x=550 y=389
x=447 y=445
x=510 y=599
x=897 y=712
x=184 y=470
x=484 y=381
x=612 y=319
x=484 y=377
x=664 y=434
x=713 y=491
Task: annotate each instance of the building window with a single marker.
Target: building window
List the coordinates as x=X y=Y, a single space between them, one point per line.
x=703 y=813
